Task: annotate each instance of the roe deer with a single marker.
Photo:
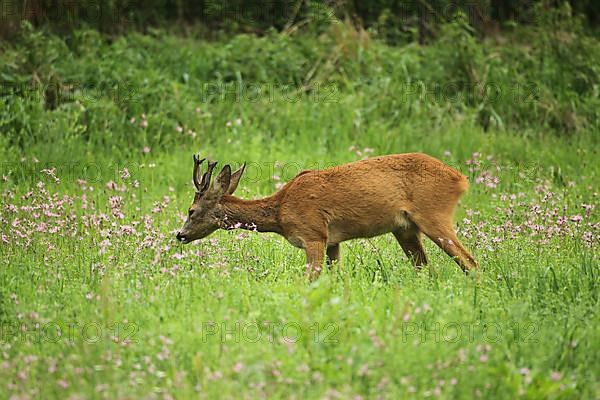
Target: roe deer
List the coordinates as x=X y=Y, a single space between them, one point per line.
x=404 y=194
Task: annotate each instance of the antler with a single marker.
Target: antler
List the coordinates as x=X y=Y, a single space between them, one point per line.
x=197 y=163
x=206 y=177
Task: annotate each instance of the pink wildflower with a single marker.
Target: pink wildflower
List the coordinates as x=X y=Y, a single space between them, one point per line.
x=556 y=376
x=237 y=368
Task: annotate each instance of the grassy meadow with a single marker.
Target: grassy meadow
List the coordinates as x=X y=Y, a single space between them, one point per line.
x=98 y=299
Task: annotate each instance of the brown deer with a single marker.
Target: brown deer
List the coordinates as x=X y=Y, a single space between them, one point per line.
x=404 y=194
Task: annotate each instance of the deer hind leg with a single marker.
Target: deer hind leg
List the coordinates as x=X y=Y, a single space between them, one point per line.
x=315 y=254
x=333 y=254
x=442 y=234
x=410 y=241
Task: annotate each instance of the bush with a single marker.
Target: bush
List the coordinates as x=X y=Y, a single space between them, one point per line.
x=93 y=86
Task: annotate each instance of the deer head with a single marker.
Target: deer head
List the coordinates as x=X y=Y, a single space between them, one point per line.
x=206 y=215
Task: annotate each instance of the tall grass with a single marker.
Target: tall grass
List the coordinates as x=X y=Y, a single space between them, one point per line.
x=97 y=300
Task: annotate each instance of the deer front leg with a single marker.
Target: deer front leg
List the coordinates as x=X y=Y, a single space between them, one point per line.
x=333 y=254
x=315 y=254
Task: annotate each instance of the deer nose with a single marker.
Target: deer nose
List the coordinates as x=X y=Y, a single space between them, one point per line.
x=180 y=237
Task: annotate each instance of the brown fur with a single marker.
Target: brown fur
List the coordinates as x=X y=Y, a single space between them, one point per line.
x=405 y=194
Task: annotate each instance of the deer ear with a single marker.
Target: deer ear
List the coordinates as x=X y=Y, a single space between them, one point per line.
x=221 y=183
x=235 y=179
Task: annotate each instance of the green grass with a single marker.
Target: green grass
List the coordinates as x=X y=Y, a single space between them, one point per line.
x=232 y=316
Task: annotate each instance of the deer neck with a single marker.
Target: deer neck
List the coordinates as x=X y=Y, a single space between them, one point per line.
x=261 y=215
